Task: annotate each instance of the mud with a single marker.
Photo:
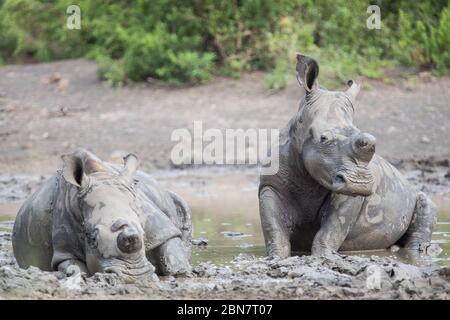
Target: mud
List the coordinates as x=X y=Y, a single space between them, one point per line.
x=248 y=277
x=18 y=187
x=245 y=276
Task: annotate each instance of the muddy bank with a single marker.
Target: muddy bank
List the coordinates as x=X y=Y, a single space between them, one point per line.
x=17 y=187
x=42 y=119
x=233 y=274
x=342 y=277
x=429 y=175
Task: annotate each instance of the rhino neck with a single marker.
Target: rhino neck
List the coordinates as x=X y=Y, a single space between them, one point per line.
x=308 y=192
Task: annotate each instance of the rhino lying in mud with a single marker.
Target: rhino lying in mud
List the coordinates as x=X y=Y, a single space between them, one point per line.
x=93 y=216
x=332 y=192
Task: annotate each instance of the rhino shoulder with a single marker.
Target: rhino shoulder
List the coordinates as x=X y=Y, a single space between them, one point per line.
x=183 y=217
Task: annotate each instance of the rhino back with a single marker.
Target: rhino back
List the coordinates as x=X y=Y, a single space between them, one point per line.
x=32 y=232
x=152 y=189
x=159 y=195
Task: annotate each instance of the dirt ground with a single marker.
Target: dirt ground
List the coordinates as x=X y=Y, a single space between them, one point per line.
x=307 y=277
x=48 y=109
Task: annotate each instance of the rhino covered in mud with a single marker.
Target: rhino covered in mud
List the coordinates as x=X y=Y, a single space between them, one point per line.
x=93 y=216
x=332 y=192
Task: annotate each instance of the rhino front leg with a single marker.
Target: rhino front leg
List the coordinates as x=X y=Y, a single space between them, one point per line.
x=418 y=235
x=72 y=266
x=339 y=215
x=171 y=258
x=275 y=230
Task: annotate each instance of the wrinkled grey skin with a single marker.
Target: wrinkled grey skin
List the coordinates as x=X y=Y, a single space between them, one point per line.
x=93 y=216
x=332 y=192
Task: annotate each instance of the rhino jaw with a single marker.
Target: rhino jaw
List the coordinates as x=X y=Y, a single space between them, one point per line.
x=130 y=269
x=353 y=184
x=131 y=274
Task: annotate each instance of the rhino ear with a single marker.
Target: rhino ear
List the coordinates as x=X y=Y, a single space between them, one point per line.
x=307 y=72
x=131 y=163
x=73 y=170
x=353 y=89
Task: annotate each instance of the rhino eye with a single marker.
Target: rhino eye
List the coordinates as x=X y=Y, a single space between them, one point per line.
x=326 y=137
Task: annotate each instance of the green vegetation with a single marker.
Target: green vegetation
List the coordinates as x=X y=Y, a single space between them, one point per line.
x=188 y=41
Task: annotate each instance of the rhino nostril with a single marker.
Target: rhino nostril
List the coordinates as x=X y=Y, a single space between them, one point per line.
x=340 y=179
x=362 y=143
x=129 y=242
x=366 y=141
x=339 y=182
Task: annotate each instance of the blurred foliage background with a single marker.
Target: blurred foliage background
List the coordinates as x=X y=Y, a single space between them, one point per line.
x=188 y=41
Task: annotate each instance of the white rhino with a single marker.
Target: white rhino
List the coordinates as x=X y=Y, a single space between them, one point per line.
x=94 y=216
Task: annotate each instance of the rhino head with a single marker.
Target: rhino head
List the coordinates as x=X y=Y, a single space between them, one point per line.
x=334 y=151
x=113 y=236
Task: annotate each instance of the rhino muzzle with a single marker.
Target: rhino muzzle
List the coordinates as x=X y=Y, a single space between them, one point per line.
x=353 y=182
x=129 y=240
x=363 y=146
x=129 y=270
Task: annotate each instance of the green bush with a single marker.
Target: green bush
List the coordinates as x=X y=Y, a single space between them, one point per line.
x=440 y=44
x=424 y=36
x=187 y=41
x=112 y=71
x=282 y=45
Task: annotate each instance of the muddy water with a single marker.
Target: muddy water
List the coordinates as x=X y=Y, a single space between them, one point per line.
x=225 y=214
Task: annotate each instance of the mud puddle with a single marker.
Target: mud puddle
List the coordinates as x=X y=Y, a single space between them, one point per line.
x=226 y=217
x=226 y=220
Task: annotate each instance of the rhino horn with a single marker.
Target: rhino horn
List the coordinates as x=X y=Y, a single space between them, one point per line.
x=364 y=147
x=353 y=89
x=307 y=72
x=131 y=164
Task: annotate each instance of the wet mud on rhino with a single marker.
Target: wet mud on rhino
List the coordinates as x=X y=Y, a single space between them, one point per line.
x=332 y=191
x=96 y=217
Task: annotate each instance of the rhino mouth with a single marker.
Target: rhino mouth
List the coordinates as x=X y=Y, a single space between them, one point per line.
x=353 y=182
x=128 y=269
